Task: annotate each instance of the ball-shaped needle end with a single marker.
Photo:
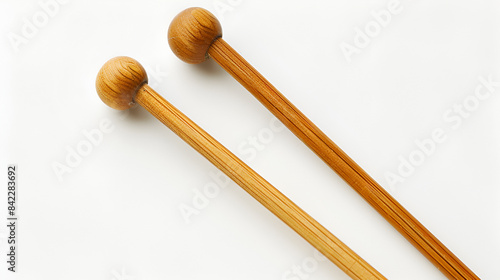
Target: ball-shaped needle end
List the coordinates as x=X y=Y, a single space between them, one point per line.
x=119 y=80
x=191 y=33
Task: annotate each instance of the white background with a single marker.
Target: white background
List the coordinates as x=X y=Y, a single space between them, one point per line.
x=116 y=215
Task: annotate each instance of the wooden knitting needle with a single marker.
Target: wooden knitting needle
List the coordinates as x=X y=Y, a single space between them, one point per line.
x=122 y=82
x=195 y=35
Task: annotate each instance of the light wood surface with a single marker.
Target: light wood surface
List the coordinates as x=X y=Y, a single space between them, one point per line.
x=183 y=35
x=340 y=162
x=123 y=80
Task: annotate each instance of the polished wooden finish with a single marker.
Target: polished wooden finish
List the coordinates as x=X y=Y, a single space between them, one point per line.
x=122 y=80
x=312 y=136
x=200 y=29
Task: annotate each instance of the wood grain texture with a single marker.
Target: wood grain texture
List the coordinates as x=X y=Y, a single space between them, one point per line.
x=256 y=186
x=340 y=162
x=122 y=81
x=118 y=81
x=191 y=33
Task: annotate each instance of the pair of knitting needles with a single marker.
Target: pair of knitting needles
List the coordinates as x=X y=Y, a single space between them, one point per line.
x=194 y=36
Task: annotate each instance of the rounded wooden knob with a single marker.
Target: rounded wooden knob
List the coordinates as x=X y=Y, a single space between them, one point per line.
x=118 y=81
x=191 y=33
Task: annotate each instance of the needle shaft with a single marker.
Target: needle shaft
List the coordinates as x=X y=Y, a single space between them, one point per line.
x=339 y=161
